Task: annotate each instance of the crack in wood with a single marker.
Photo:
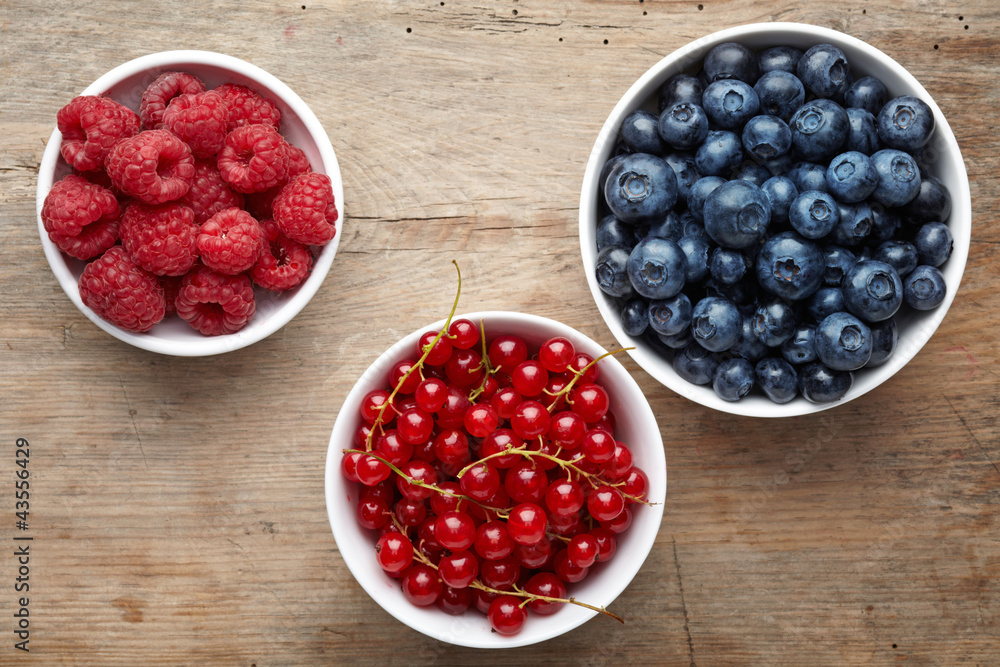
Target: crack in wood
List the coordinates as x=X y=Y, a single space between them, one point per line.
x=680 y=585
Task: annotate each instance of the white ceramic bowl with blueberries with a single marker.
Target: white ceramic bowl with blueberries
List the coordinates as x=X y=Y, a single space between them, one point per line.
x=776 y=217
x=298 y=125
x=635 y=424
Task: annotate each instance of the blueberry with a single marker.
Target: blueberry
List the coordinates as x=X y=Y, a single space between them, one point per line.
x=639 y=132
x=924 y=288
x=612 y=271
x=823 y=70
x=933 y=202
x=656 y=268
x=819 y=129
x=669 y=316
x=680 y=88
x=730 y=103
x=727 y=266
x=668 y=228
x=801 y=347
x=774 y=322
x=733 y=379
x=641 y=188
x=851 y=177
x=691 y=226
x=685 y=171
x=634 y=317
x=843 y=342
x=780 y=193
x=716 y=324
x=885 y=223
x=779 y=59
x=825 y=301
x=683 y=125
x=790 y=266
x=749 y=346
x=743 y=293
x=814 y=214
x=867 y=93
x=777 y=378
x=695 y=249
x=900 y=255
x=719 y=154
x=612 y=231
x=766 y=138
x=933 y=242
x=905 y=123
x=862 y=136
x=779 y=94
x=737 y=214
x=856 y=221
x=820 y=384
x=898 y=177
x=873 y=290
x=808 y=176
x=695 y=364
x=699 y=192
x=731 y=60
x=606 y=169
x=675 y=341
x=839 y=261
x=885 y=336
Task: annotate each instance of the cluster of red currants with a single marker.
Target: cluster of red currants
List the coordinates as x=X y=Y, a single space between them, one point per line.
x=491 y=474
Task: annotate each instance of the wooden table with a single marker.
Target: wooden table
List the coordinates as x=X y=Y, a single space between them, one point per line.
x=177 y=504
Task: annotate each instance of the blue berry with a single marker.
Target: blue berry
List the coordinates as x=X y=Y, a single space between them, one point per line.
x=730 y=103
x=727 y=266
x=612 y=231
x=641 y=188
x=777 y=378
x=808 y=176
x=691 y=226
x=680 y=88
x=905 y=123
x=719 y=154
x=668 y=228
x=749 y=346
x=932 y=203
x=933 y=243
x=819 y=129
x=751 y=172
x=612 y=271
x=900 y=255
x=669 y=316
x=885 y=336
x=779 y=59
x=885 y=224
x=675 y=341
x=851 y=177
x=873 y=290
x=862 y=135
x=733 y=379
x=685 y=171
x=790 y=266
x=606 y=170
x=639 y=132
x=766 y=137
x=801 y=347
x=695 y=364
x=839 y=261
x=823 y=70
x=825 y=301
x=683 y=125
x=731 y=60
x=867 y=93
x=656 y=268
x=634 y=317
x=716 y=324
x=856 y=221
x=898 y=177
x=819 y=384
x=737 y=214
x=779 y=94
x=780 y=192
x=843 y=342
x=774 y=322
x=700 y=191
x=924 y=288
x=695 y=249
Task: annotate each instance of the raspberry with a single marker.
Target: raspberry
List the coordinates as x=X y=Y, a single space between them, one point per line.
x=283 y=264
x=199 y=120
x=259 y=203
x=171 y=286
x=247 y=107
x=90 y=126
x=161 y=239
x=154 y=166
x=298 y=162
x=74 y=203
x=305 y=209
x=230 y=241
x=121 y=292
x=254 y=158
x=214 y=303
x=163 y=89
x=208 y=193
x=91 y=242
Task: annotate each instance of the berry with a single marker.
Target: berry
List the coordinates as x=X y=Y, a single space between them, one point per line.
x=790 y=266
x=254 y=158
x=873 y=290
x=199 y=120
x=716 y=323
x=843 y=342
x=820 y=384
x=657 y=268
x=161 y=91
x=733 y=379
x=421 y=585
x=283 y=263
x=730 y=103
x=506 y=615
x=684 y=125
x=90 y=126
x=214 y=303
x=924 y=288
x=81 y=218
x=208 y=193
x=153 y=166
x=526 y=524
x=641 y=188
x=394 y=552
x=545 y=584
x=458 y=569
x=777 y=378
x=305 y=209
x=230 y=241
x=905 y=123
x=737 y=214
x=779 y=93
x=455 y=531
x=639 y=133
x=247 y=107
x=161 y=239
x=121 y=292
x=824 y=70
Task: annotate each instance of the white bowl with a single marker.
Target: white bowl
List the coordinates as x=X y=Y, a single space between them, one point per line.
x=635 y=425
x=915 y=328
x=299 y=126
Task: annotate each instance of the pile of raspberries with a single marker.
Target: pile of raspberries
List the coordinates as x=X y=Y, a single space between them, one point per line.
x=185 y=206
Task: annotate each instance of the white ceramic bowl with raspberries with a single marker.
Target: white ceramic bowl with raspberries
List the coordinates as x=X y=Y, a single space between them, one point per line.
x=634 y=425
x=939 y=157
x=227 y=135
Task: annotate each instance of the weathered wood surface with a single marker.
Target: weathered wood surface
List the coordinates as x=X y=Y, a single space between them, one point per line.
x=178 y=504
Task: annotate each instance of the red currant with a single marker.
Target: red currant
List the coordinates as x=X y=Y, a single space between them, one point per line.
x=501 y=572
x=371 y=406
x=452 y=447
x=621 y=522
x=458 y=569
x=444 y=502
x=498 y=441
x=636 y=484
x=590 y=401
x=394 y=552
x=431 y=394
x=349 y=466
x=421 y=585
x=455 y=530
x=480 y=481
x=399 y=371
x=414 y=426
x=567 y=429
x=505 y=402
x=556 y=353
x=464 y=334
x=493 y=541
x=535 y=555
x=582 y=550
x=439 y=353
x=392 y=448
x=418 y=471
x=620 y=463
x=564 y=497
x=606 y=543
x=566 y=570
x=526 y=483
x=481 y=420
x=529 y=378
x=452 y=413
x=507 y=351
x=581 y=361
x=455 y=601
x=410 y=512
x=372 y=514
x=547 y=585
x=605 y=503
x=506 y=615
x=598 y=446
x=530 y=420
x=526 y=523
x=371 y=471
x=464 y=368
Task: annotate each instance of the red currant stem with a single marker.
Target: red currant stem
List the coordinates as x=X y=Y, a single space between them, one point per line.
x=419 y=365
x=484 y=364
x=507 y=450
x=562 y=538
x=576 y=376
x=592 y=479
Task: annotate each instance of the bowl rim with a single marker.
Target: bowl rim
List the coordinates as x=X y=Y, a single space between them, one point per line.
x=640 y=544
x=208 y=345
x=680 y=60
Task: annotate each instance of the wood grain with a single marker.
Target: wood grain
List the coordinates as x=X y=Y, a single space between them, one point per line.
x=178 y=505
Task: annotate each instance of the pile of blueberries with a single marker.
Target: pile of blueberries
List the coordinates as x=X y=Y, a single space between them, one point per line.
x=765 y=227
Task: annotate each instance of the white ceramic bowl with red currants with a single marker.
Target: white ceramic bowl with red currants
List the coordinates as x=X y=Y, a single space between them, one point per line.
x=517 y=466
x=821 y=198
x=225 y=137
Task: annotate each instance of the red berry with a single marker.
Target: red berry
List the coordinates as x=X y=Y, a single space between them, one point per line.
x=421 y=585
x=636 y=484
x=372 y=513
x=534 y=555
x=394 y=552
x=254 y=158
x=556 y=353
x=391 y=447
x=605 y=503
x=567 y=429
x=464 y=368
x=481 y=420
x=620 y=463
x=621 y=522
x=417 y=471
x=399 y=371
x=208 y=193
x=439 y=353
x=410 y=512
x=305 y=209
x=451 y=447
x=566 y=570
x=455 y=530
x=582 y=550
x=81 y=218
x=283 y=263
x=90 y=126
x=431 y=394
x=121 y=292
x=598 y=446
x=415 y=426
x=498 y=441
x=370 y=471
x=447 y=502
x=371 y=407
x=455 y=601
x=349 y=466
x=164 y=88
x=459 y=569
x=507 y=351
x=247 y=107
x=199 y=120
x=161 y=239
x=564 y=497
x=529 y=378
x=465 y=334
x=505 y=402
x=506 y=615
x=530 y=420
x=480 y=481
x=581 y=361
x=214 y=303
x=590 y=401
x=526 y=524
x=526 y=483
x=452 y=413
x=606 y=543
x=548 y=585
x=493 y=541
x=153 y=166
x=500 y=573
